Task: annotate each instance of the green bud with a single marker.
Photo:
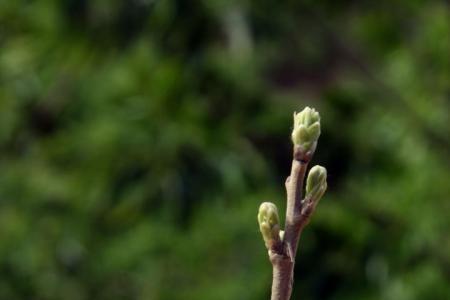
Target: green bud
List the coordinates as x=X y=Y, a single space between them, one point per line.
x=306 y=128
x=269 y=223
x=316 y=184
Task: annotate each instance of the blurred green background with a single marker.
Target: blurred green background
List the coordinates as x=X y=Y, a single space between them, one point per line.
x=138 y=138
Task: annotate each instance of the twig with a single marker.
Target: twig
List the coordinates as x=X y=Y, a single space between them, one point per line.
x=283 y=247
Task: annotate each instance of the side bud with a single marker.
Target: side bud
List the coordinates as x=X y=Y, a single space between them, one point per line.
x=269 y=224
x=306 y=130
x=316 y=184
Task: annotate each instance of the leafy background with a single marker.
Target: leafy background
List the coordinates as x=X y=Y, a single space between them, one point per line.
x=137 y=139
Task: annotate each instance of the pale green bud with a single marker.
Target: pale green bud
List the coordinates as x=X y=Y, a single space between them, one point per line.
x=306 y=128
x=269 y=223
x=316 y=183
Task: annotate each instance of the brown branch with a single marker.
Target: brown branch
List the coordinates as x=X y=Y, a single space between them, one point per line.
x=283 y=263
x=283 y=246
x=282 y=276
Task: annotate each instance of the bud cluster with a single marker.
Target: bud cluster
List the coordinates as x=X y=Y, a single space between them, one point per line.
x=304 y=135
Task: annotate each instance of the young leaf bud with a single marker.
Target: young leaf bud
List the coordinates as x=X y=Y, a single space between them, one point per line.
x=269 y=223
x=306 y=128
x=316 y=183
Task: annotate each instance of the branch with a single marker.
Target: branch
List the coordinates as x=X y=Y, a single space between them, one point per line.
x=283 y=247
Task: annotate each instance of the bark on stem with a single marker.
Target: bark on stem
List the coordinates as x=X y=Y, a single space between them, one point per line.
x=293 y=208
x=283 y=261
x=282 y=268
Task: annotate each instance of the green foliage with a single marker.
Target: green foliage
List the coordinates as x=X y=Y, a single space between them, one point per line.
x=137 y=138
